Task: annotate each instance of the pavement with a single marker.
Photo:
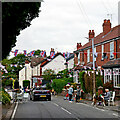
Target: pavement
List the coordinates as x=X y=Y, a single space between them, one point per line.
x=115 y=108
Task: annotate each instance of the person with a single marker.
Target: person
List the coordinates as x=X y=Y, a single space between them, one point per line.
x=78 y=94
x=106 y=96
x=70 y=92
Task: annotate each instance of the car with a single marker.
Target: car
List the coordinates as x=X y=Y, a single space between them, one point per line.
x=40 y=93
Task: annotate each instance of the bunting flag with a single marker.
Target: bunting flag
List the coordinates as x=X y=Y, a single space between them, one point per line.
x=64 y=55
x=114 y=53
x=25 y=52
x=95 y=54
x=32 y=53
x=52 y=54
x=68 y=54
x=12 y=51
x=15 y=53
x=85 y=53
x=42 y=53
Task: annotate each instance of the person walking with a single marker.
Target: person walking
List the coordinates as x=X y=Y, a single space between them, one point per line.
x=70 y=92
x=78 y=94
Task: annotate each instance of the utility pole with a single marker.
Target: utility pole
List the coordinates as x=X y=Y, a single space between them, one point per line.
x=94 y=81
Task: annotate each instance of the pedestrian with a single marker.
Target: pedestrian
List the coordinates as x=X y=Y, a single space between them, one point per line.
x=106 y=96
x=78 y=94
x=70 y=92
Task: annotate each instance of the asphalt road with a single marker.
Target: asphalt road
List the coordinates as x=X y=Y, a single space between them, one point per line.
x=62 y=109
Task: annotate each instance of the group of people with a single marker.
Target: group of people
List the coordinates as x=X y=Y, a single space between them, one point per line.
x=103 y=97
x=70 y=94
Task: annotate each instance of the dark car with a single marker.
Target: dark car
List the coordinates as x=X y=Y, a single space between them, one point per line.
x=40 y=93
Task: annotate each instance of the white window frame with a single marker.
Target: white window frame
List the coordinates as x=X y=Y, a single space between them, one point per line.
x=111 y=50
x=116 y=77
x=102 y=51
x=88 y=55
x=94 y=53
x=107 y=75
x=79 y=58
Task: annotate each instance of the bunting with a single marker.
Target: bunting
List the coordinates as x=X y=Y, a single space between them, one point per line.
x=15 y=53
x=25 y=52
x=42 y=53
x=52 y=54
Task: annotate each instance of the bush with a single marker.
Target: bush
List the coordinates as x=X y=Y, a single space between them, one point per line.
x=58 y=85
x=81 y=79
x=48 y=86
x=26 y=83
x=5 y=97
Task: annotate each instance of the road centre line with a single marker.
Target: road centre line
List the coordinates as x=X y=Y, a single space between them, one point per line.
x=13 y=115
x=66 y=110
x=55 y=104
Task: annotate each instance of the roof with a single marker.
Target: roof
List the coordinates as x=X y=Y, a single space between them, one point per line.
x=70 y=57
x=112 y=64
x=102 y=37
x=47 y=61
x=35 y=61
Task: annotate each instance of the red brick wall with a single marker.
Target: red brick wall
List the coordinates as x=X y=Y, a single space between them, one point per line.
x=99 y=60
x=118 y=48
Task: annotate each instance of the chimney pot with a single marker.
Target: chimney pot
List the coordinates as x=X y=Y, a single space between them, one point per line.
x=106 y=26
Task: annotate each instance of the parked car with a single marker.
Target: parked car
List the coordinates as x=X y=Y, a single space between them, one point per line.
x=40 y=93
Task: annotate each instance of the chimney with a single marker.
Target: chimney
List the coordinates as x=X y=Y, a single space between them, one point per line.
x=52 y=50
x=79 y=46
x=106 y=26
x=91 y=34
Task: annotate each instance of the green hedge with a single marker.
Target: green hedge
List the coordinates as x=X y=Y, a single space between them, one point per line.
x=81 y=79
x=5 y=97
x=26 y=83
x=58 y=85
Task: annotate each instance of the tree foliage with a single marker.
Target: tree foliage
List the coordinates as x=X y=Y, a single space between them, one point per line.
x=49 y=74
x=16 y=16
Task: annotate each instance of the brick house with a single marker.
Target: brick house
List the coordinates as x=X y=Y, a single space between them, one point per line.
x=107 y=52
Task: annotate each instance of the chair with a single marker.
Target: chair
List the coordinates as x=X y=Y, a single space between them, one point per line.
x=112 y=98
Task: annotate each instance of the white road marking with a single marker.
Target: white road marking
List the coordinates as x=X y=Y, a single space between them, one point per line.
x=13 y=115
x=65 y=110
x=55 y=104
x=115 y=114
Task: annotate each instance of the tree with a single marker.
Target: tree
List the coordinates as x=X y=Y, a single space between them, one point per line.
x=16 y=16
x=49 y=74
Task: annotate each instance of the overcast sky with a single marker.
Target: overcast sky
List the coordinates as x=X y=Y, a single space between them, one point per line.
x=64 y=23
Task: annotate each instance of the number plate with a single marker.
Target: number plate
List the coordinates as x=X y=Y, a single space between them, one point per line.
x=43 y=96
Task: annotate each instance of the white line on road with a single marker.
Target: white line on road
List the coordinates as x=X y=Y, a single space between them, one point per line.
x=65 y=110
x=115 y=114
x=13 y=115
x=55 y=104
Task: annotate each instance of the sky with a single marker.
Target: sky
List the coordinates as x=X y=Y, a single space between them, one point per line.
x=64 y=23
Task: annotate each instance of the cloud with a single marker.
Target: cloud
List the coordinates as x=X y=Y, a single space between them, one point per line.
x=63 y=23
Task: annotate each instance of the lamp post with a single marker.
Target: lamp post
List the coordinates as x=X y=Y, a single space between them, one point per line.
x=94 y=82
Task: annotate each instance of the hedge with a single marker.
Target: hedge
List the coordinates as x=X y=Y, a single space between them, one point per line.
x=81 y=79
x=5 y=97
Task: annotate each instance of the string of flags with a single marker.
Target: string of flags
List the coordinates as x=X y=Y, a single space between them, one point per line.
x=42 y=53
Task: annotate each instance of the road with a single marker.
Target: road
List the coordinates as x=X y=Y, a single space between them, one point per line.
x=59 y=108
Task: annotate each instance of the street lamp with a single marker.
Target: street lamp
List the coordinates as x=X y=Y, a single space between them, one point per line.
x=94 y=83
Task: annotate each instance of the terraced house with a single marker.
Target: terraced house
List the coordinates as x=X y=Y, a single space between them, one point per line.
x=107 y=53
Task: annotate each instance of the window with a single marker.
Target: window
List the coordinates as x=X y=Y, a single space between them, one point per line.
x=111 y=50
x=102 y=52
x=95 y=53
x=107 y=75
x=79 y=58
x=116 y=77
x=88 y=55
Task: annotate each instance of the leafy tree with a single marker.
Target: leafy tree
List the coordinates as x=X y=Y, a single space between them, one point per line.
x=16 y=16
x=49 y=74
